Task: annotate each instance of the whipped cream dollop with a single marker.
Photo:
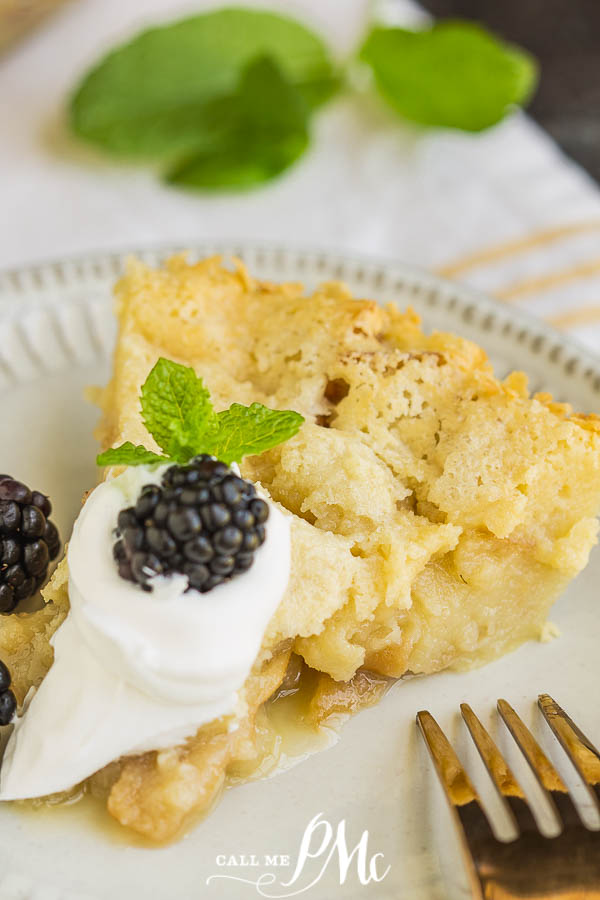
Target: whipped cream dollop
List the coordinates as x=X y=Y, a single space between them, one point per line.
x=135 y=670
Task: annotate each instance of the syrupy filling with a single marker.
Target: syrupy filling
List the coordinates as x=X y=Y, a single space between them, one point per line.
x=303 y=716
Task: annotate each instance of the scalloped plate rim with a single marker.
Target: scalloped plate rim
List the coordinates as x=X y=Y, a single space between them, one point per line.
x=13 y=884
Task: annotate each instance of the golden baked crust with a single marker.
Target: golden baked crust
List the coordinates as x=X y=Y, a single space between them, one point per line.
x=25 y=637
x=431 y=501
x=437 y=511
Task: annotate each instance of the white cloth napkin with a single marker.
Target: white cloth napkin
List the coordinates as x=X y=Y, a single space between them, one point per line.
x=369 y=183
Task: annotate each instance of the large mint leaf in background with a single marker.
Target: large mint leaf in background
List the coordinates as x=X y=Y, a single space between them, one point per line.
x=176 y=408
x=454 y=74
x=166 y=92
x=268 y=119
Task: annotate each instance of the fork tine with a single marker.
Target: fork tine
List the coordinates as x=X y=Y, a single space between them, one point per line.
x=505 y=782
x=580 y=750
x=472 y=823
x=455 y=780
x=547 y=776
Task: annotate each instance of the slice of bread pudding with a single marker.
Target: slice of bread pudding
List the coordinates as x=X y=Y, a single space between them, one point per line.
x=437 y=512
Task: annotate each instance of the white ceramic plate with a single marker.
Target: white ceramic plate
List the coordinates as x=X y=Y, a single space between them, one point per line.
x=56 y=334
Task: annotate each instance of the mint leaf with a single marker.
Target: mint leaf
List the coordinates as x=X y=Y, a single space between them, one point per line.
x=454 y=74
x=129 y=454
x=166 y=93
x=176 y=408
x=249 y=430
x=268 y=119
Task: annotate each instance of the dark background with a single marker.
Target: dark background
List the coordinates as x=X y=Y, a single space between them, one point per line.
x=564 y=35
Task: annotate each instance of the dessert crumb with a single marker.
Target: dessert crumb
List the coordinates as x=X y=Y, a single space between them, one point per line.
x=548 y=632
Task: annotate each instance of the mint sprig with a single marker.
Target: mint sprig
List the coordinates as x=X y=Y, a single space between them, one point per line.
x=178 y=413
x=224 y=100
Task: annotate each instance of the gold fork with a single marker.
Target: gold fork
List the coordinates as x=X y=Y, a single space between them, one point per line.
x=531 y=865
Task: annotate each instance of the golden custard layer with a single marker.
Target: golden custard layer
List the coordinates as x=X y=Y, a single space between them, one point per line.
x=437 y=512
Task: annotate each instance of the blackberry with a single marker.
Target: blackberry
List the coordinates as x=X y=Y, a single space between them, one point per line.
x=202 y=521
x=8 y=703
x=28 y=541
